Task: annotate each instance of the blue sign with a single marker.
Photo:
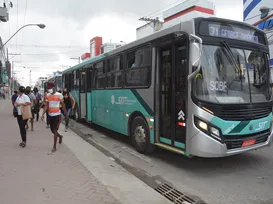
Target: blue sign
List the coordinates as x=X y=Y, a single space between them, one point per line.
x=268 y=24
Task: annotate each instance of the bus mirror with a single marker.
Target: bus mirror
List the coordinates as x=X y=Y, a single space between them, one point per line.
x=195 y=53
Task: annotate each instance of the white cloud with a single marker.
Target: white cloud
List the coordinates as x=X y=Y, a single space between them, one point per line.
x=69 y=23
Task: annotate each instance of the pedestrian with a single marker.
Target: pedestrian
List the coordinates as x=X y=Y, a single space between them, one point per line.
x=22 y=100
x=43 y=107
x=14 y=97
x=38 y=97
x=53 y=101
x=69 y=105
x=33 y=102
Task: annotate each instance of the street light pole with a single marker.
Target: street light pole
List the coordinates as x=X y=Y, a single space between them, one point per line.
x=42 y=26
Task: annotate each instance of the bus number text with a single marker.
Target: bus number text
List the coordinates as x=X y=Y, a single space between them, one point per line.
x=218 y=85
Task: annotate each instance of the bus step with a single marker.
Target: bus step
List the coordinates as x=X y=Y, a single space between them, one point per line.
x=173 y=149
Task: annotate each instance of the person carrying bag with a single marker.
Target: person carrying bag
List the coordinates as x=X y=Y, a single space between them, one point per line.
x=22 y=104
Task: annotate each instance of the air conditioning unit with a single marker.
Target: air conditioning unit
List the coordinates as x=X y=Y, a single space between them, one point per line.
x=4 y=15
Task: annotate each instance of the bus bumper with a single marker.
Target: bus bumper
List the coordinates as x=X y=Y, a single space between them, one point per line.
x=202 y=145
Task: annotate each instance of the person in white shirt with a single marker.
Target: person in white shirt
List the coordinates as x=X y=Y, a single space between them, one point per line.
x=22 y=100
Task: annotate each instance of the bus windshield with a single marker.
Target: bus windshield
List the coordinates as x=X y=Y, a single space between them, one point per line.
x=231 y=75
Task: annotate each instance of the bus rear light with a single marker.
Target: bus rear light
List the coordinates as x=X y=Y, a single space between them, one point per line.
x=150 y=119
x=181 y=124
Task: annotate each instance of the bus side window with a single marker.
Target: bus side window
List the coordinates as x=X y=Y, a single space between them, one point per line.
x=141 y=74
x=99 y=76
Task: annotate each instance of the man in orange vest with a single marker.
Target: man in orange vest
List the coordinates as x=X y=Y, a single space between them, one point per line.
x=52 y=105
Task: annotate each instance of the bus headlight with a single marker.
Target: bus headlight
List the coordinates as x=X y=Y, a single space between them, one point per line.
x=203 y=125
x=214 y=131
x=207 y=128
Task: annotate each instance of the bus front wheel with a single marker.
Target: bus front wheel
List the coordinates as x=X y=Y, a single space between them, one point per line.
x=140 y=136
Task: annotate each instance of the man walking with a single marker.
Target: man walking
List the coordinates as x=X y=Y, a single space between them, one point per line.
x=52 y=105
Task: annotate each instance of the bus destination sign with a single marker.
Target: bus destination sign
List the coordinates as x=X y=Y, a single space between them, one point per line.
x=238 y=34
x=231 y=31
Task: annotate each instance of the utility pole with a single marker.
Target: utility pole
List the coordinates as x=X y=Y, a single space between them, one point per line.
x=157 y=24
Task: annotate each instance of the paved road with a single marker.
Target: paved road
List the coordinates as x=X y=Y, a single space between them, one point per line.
x=33 y=176
x=241 y=179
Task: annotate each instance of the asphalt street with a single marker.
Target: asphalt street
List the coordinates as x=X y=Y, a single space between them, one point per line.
x=240 y=179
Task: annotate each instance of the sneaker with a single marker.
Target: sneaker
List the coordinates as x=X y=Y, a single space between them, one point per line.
x=66 y=129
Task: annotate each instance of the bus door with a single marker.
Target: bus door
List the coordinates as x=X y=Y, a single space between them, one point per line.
x=89 y=81
x=82 y=107
x=173 y=93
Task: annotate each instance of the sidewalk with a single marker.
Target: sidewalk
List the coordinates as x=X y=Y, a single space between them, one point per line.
x=76 y=174
x=33 y=176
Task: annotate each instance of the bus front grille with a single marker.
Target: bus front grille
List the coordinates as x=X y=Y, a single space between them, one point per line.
x=234 y=142
x=239 y=114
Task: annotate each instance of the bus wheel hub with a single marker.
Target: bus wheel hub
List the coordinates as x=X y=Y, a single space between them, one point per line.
x=139 y=135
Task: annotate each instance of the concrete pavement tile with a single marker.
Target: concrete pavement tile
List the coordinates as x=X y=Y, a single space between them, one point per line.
x=31 y=175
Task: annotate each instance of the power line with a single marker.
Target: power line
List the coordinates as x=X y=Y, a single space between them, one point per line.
x=17 y=22
x=52 y=53
x=48 y=46
x=24 y=24
x=154 y=14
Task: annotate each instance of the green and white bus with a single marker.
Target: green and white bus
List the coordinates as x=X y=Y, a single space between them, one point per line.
x=199 y=88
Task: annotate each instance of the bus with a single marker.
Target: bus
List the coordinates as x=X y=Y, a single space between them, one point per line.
x=56 y=80
x=199 y=88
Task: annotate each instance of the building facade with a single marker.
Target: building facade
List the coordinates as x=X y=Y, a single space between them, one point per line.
x=259 y=13
x=182 y=12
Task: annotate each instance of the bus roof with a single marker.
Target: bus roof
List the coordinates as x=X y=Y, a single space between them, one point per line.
x=128 y=46
x=149 y=38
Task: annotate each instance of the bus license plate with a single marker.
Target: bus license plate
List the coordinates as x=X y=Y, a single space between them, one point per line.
x=248 y=143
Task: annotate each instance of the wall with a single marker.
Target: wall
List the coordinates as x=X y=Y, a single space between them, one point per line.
x=182 y=12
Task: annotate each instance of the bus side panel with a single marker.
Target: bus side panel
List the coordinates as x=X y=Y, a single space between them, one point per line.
x=89 y=107
x=114 y=108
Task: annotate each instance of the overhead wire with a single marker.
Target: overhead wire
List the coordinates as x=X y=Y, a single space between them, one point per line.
x=153 y=14
x=22 y=37
x=48 y=46
x=17 y=21
x=53 y=53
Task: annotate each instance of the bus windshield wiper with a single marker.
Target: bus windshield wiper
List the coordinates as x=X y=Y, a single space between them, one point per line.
x=230 y=55
x=235 y=62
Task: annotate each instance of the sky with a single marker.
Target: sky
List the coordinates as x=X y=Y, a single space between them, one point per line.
x=70 y=25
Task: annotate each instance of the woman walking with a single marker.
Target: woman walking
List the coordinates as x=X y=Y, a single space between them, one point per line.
x=69 y=105
x=22 y=100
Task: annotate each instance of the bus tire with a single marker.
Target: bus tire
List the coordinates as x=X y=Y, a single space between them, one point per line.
x=140 y=136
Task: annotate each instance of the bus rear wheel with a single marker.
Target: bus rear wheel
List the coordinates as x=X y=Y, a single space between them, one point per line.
x=140 y=136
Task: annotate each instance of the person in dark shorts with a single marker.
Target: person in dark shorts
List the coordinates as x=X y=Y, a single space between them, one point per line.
x=53 y=101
